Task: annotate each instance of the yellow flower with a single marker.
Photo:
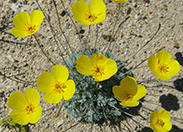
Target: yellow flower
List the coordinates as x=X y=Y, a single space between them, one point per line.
x=25 y=107
x=129 y=92
x=27 y=25
x=160 y=121
x=162 y=66
x=93 y=13
x=119 y=1
x=55 y=85
x=99 y=66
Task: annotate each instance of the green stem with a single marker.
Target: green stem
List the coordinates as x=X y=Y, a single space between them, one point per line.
x=67 y=43
x=43 y=50
x=112 y=37
x=95 y=46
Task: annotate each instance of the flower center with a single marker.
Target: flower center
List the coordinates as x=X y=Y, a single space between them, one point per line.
x=98 y=71
x=59 y=87
x=29 y=109
x=160 y=123
x=90 y=17
x=128 y=97
x=30 y=28
x=162 y=68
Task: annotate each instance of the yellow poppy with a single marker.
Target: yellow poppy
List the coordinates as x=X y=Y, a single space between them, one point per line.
x=99 y=66
x=129 y=92
x=26 y=107
x=93 y=13
x=162 y=65
x=160 y=121
x=55 y=85
x=27 y=25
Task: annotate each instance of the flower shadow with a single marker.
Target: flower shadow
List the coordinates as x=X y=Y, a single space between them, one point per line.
x=145 y=129
x=179 y=58
x=178 y=83
x=176 y=129
x=169 y=102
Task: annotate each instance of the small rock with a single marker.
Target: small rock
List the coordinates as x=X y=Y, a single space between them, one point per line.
x=165 y=7
x=175 y=45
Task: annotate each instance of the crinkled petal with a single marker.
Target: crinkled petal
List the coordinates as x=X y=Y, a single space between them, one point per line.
x=118 y=93
x=21 y=19
x=153 y=63
x=99 y=59
x=167 y=126
x=32 y=96
x=141 y=92
x=119 y=1
x=45 y=82
x=132 y=103
x=163 y=56
x=36 y=115
x=110 y=68
x=69 y=90
x=97 y=6
x=174 y=67
x=163 y=114
x=79 y=8
x=162 y=76
x=60 y=73
x=19 y=32
x=17 y=101
x=128 y=84
x=84 y=65
x=153 y=118
x=37 y=17
x=20 y=117
x=52 y=97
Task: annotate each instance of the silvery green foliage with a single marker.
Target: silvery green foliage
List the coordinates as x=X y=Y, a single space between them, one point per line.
x=93 y=99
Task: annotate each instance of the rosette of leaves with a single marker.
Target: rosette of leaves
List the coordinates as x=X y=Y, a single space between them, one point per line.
x=94 y=100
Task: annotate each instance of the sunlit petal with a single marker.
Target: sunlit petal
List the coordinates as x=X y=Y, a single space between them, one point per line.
x=36 y=115
x=37 y=17
x=52 y=97
x=20 y=117
x=17 y=101
x=163 y=56
x=141 y=92
x=174 y=67
x=118 y=93
x=69 y=90
x=33 y=97
x=19 y=32
x=129 y=103
x=60 y=73
x=21 y=19
x=45 y=82
x=153 y=63
x=161 y=76
x=84 y=65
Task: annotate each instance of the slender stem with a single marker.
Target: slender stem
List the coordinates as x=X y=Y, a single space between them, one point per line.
x=95 y=46
x=113 y=29
x=67 y=43
x=71 y=20
x=144 y=44
x=60 y=108
x=87 y=39
x=53 y=33
x=43 y=50
x=119 y=29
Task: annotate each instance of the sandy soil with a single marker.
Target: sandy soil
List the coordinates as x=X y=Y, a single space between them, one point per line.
x=23 y=58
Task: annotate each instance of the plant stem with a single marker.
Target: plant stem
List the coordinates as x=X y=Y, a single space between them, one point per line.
x=60 y=108
x=112 y=37
x=71 y=20
x=95 y=46
x=43 y=50
x=67 y=43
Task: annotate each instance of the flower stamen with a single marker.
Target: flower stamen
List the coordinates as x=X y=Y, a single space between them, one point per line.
x=162 y=68
x=160 y=123
x=29 y=109
x=59 y=87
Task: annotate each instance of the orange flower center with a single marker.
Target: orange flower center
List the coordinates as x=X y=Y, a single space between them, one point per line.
x=98 y=71
x=160 y=123
x=59 y=87
x=128 y=97
x=90 y=16
x=162 y=68
x=30 y=28
x=29 y=109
